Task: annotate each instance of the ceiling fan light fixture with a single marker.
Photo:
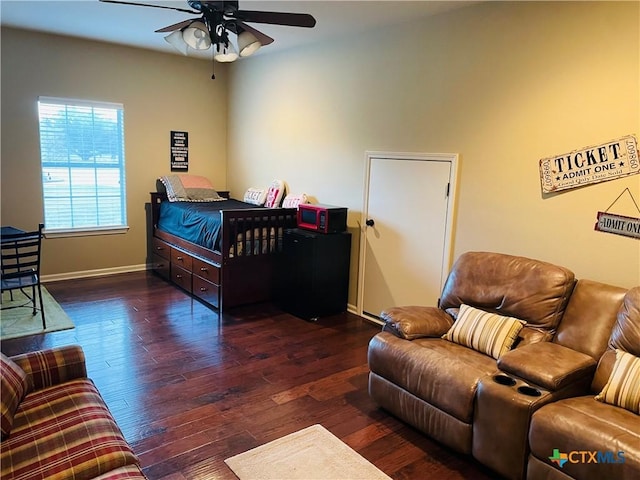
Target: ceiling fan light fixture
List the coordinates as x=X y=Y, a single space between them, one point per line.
x=196 y=35
x=248 y=44
x=175 y=40
x=214 y=22
x=224 y=53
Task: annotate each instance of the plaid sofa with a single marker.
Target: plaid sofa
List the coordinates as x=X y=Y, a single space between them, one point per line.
x=55 y=424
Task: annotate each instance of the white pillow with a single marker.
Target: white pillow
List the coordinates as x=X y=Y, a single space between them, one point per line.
x=275 y=194
x=255 y=196
x=292 y=201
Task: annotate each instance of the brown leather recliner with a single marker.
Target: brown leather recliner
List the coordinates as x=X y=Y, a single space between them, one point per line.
x=430 y=382
x=468 y=400
x=589 y=431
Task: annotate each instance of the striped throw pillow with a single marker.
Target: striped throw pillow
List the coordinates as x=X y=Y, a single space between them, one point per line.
x=623 y=387
x=485 y=332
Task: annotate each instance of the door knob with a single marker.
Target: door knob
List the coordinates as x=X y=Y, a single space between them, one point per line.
x=370 y=222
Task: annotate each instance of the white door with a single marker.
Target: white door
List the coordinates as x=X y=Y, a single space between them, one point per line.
x=406 y=230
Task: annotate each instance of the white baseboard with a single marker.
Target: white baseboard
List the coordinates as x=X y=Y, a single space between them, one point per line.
x=56 y=277
x=374 y=320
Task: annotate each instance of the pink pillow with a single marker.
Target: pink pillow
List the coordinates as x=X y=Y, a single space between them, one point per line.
x=275 y=194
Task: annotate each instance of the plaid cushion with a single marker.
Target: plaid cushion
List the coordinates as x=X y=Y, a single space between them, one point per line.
x=14 y=385
x=485 y=332
x=53 y=366
x=65 y=432
x=123 y=473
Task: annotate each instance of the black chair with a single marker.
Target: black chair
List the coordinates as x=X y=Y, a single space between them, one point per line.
x=21 y=266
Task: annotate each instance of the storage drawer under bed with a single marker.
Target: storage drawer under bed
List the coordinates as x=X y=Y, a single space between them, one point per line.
x=181 y=277
x=161 y=266
x=161 y=248
x=181 y=259
x=206 y=270
x=206 y=291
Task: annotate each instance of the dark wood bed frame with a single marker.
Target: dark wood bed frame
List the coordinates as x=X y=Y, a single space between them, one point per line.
x=232 y=276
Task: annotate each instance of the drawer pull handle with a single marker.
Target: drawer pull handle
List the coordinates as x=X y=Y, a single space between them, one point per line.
x=178 y=276
x=179 y=258
x=159 y=248
x=204 y=269
x=203 y=289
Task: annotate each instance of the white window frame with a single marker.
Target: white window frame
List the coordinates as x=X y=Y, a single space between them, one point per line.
x=83 y=230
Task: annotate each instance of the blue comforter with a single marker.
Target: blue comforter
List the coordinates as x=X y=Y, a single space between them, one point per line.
x=197 y=222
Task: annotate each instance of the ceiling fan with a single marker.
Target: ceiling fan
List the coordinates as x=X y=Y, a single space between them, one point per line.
x=218 y=18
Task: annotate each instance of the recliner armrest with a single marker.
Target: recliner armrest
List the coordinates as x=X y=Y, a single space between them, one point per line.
x=548 y=365
x=53 y=366
x=416 y=322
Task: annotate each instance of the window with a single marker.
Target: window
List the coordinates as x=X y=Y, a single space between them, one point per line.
x=82 y=156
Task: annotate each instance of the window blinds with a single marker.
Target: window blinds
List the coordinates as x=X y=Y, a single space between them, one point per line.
x=82 y=157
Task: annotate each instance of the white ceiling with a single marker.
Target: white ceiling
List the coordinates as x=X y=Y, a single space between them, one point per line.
x=135 y=25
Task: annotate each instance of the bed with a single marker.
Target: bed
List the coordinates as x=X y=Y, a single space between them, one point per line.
x=222 y=251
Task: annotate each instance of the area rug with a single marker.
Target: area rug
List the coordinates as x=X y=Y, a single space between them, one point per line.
x=20 y=322
x=308 y=454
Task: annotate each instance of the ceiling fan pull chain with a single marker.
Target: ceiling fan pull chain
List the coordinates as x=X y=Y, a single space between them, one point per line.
x=213 y=69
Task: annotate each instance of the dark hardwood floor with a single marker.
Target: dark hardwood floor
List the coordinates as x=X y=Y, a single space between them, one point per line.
x=189 y=388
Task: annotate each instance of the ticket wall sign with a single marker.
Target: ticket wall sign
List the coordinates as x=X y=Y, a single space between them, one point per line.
x=618 y=224
x=595 y=164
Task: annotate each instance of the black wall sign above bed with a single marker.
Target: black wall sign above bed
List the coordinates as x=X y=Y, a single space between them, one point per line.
x=179 y=151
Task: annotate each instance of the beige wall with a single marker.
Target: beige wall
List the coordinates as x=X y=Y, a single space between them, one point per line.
x=502 y=84
x=160 y=93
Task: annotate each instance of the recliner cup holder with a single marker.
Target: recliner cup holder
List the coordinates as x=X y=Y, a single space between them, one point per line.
x=530 y=391
x=504 y=380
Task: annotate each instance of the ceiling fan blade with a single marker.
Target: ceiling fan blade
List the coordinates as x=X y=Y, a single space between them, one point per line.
x=175 y=26
x=149 y=5
x=262 y=38
x=276 y=18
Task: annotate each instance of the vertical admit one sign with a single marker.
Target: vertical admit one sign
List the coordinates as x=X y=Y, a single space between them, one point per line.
x=595 y=164
x=179 y=150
